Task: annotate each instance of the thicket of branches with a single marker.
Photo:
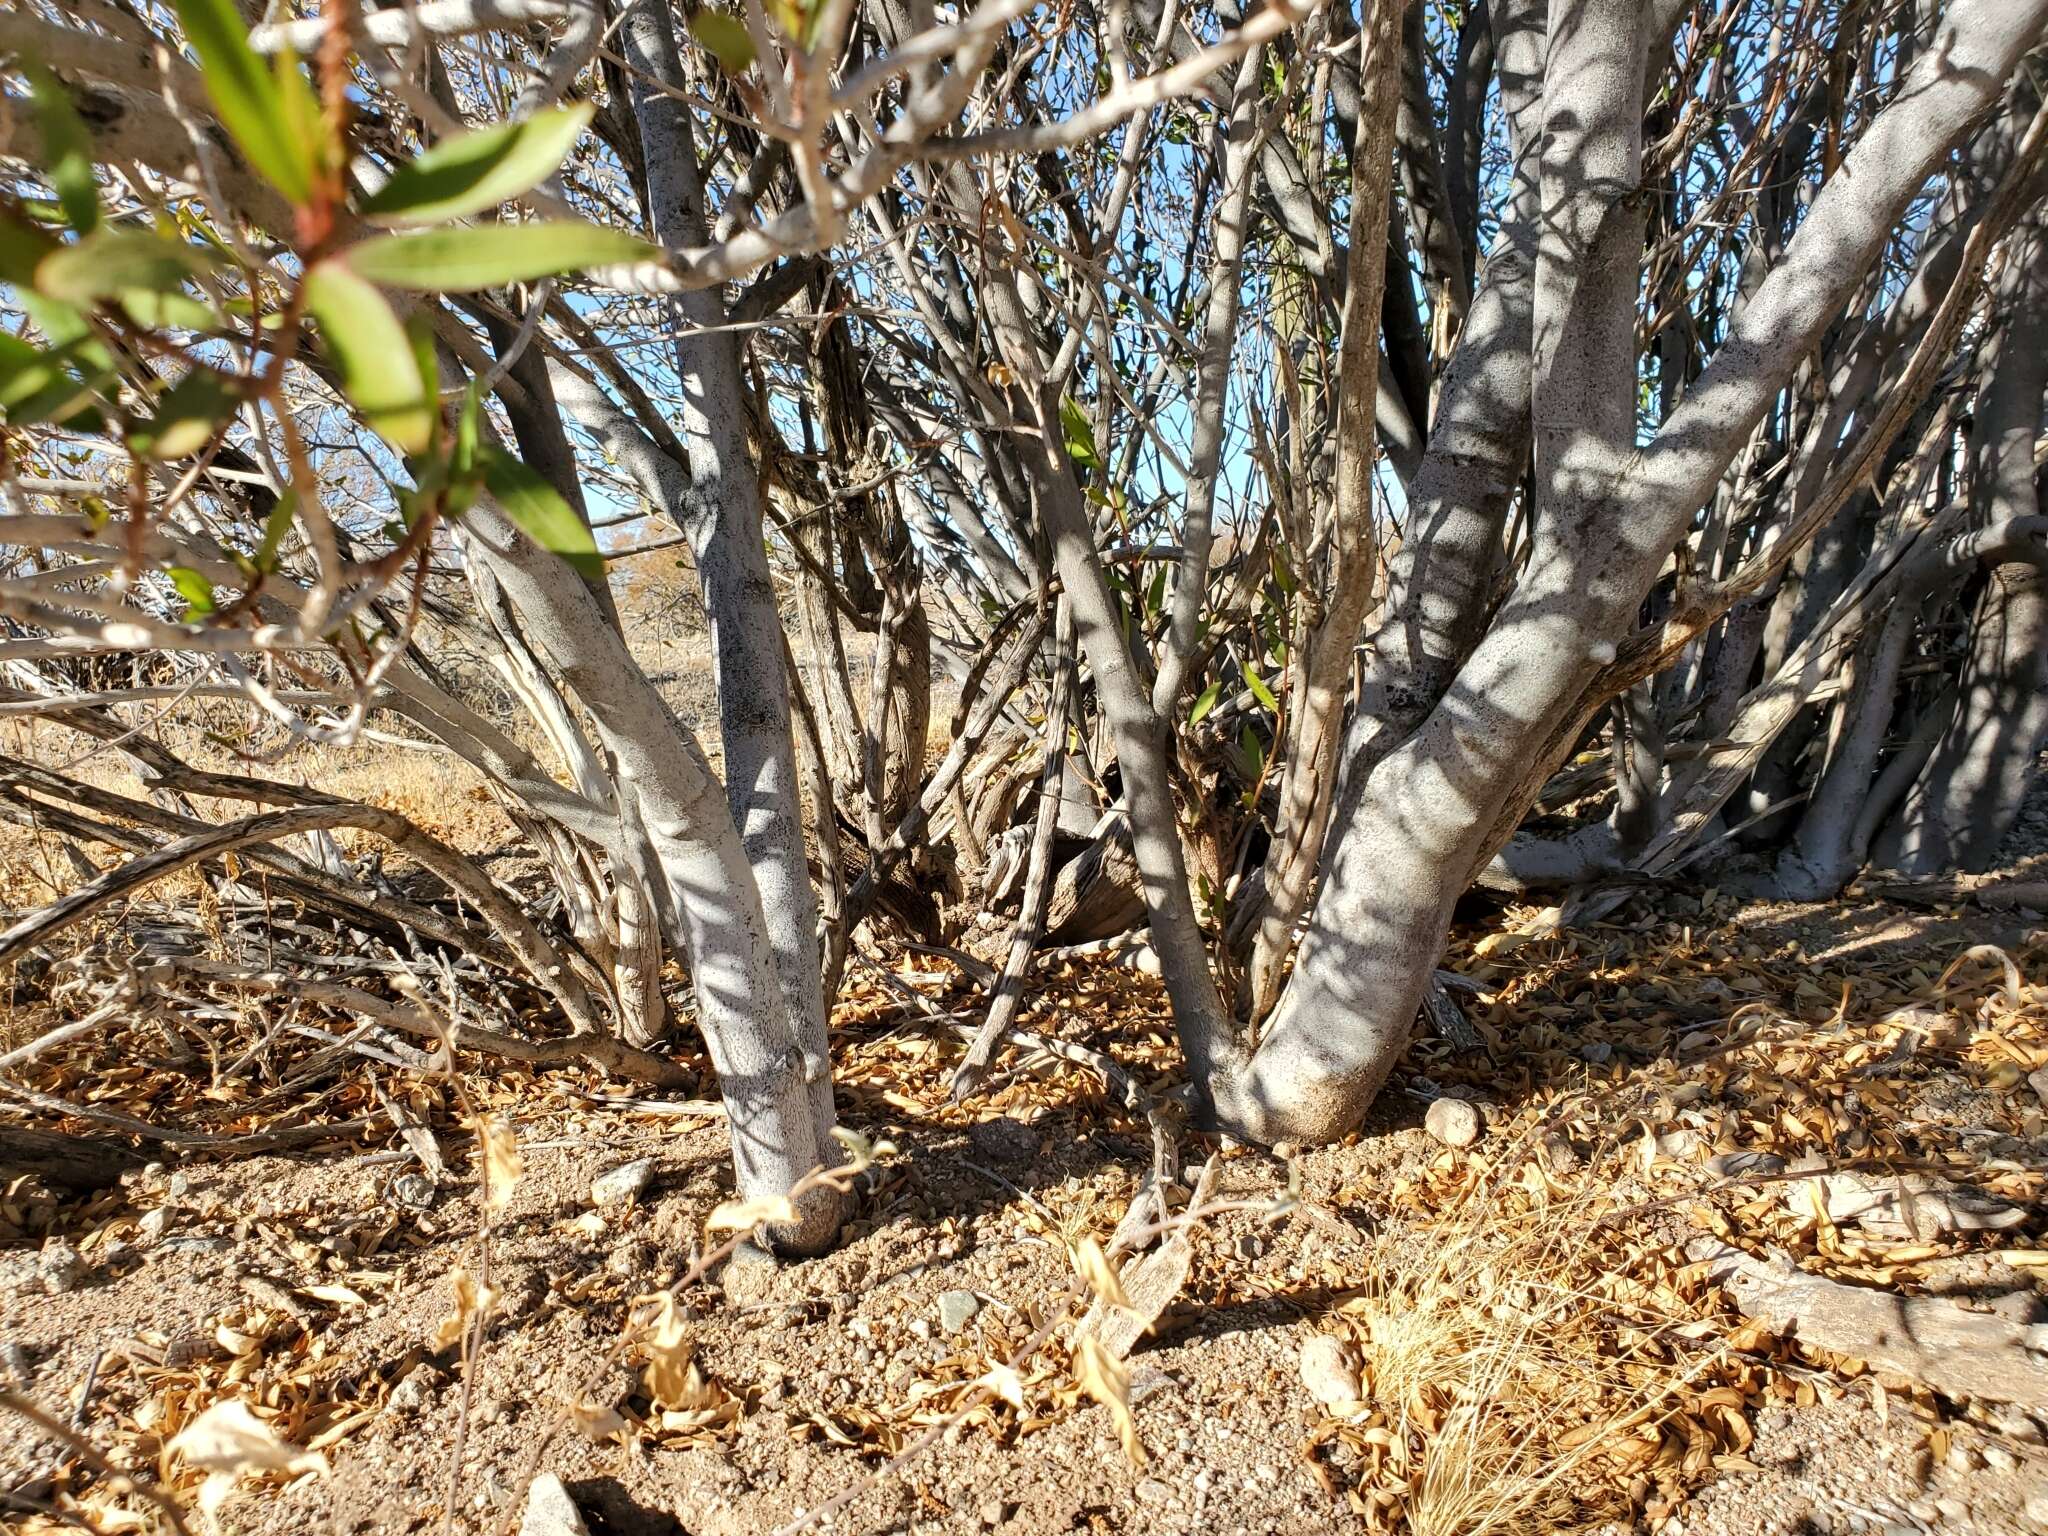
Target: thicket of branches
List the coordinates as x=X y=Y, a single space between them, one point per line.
x=1337 y=456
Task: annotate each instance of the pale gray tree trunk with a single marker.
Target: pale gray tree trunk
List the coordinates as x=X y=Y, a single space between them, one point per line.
x=1428 y=813
x=723 y=521
x=708 y=888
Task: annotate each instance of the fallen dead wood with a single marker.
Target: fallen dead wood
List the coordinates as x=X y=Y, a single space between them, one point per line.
x=1993 y=893
x=592 y=1049
x=1932 y=1340
x=536 y=953
x=70 y=1162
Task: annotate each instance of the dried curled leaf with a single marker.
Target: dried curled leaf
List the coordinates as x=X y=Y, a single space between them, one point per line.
x=673 y=1380
x=501 y=1162
x=473 y=1300
x=1094 y=1266
x=1101 y=1375
x=229 y=1443
x=595 y=1423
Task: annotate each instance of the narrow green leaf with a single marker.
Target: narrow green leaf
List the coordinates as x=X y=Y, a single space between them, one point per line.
x=246 y=96
x=489 y=256
x=187 y=416
x=195 y=589
x=475 y=171
x=370 y=349
x=540 y=512
x=113 y=261
x=67 y=149
x=1260 y=691
x=1205 y=702
x=1078 y=433
x=275 y=527
x=727 y=39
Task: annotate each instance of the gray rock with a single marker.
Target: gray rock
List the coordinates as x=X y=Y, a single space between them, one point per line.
x=154 y=1225
x=2038 y=1081
x=1454 y=1122
x=628 y=1181
x=957 y=1309
x=414 y=1389
x=61 y=1268
x=414 y=1191
x=15 y=1358
x=550 y=1511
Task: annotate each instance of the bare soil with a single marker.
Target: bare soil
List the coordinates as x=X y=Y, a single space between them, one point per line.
x=1620 y=1061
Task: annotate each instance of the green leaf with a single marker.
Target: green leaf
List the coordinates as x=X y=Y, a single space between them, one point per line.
x=727 y=38
x=475 y=171
x=1205 y=702
x=22 y=247
x=256 y=113
x=187 y=416
x=195 y=589
x=168 y=310
x=113 y=261
x=44 y=386
x=67 y=149
x=379 y=371
x=1078 y=434
x=275 y=527
x=491 y=255
x=1254 y=755
x=540 y=512
x=1260 y=691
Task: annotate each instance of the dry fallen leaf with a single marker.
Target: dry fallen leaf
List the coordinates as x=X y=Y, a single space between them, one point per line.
x=228 y=1442
x=1093 y=1266
x=745 y=1215
x=1101 y=1376
x=1005 y=1383
x=671 y=1357
x=502 y=1162
x=472 y=1300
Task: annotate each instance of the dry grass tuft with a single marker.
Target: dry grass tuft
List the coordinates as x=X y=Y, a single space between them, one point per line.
x=1513 y=1378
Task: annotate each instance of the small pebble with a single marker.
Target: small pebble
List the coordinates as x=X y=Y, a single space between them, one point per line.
x=628 y=1181
x=154 y=1224
x=1454 y=1122
x=957 y=1309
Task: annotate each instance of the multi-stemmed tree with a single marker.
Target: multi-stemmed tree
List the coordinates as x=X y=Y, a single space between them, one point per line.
x=1305 y=434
